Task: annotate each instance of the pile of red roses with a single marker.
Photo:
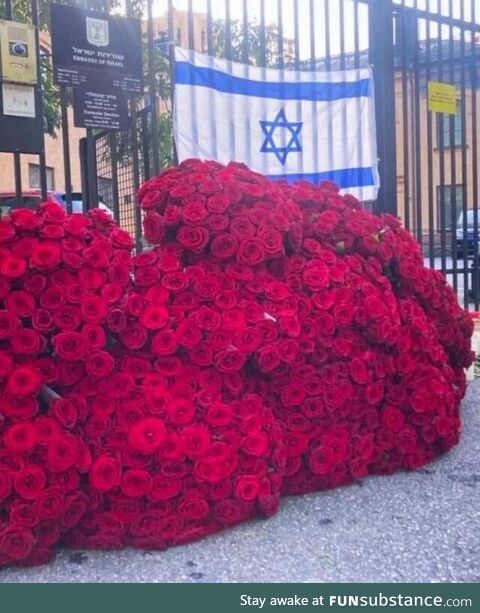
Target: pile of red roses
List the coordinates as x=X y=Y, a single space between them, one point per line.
x=275 y=339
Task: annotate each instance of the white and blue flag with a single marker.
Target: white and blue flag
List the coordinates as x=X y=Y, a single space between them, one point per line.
x=283 y=123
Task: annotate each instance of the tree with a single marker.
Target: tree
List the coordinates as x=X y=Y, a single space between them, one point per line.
x=255 y=40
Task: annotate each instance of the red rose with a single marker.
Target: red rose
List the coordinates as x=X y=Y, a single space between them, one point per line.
x=30 y=482
x=50 y=503
x=136 y=483
x=196 y=440
x=181 y=411
x=26 y=342
x=268 y=358
x=229 y=360
x=153 y=228
x=62 y=453
x=99 y=364
x=94 y=336
x=20 y=437
x=23 y=381
x=154 y=317
x=13 y=266
x=65 y=412
x=164 y=488
x=193 y=508
x=229 y=512
x=247 y=487
x=250 y=252
x=193 y=238
x=164 y=343
x=147 y=435
x=8 y=324
x=16 y=543
x=105 y=473
x=21 y=303
x=6 y=364
x=45 y=255
x=70 y=345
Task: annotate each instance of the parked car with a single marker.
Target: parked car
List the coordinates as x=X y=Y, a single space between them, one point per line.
x=470 y=235
x=32 y=198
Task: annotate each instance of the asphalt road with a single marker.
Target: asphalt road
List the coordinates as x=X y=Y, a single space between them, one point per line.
x=412 y=527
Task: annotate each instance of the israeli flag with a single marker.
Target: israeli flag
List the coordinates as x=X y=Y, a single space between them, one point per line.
x=285 y=124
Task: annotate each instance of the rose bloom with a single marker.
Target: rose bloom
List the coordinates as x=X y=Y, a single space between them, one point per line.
x=23 y=381
x=30 y=482
x=45 y=255
x=105 y=473
x=193 y=238
x=153 y=227
x=13 y=266
x=99 y=364
x=70 y=345
x=147 y=435
x=154 y=317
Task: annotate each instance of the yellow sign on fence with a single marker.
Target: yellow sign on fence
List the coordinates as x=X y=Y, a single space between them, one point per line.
x=442 y=97
x=18 y=53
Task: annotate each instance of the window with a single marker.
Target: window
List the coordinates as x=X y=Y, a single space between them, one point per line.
x=34 y=177
x=452 y=136
x=178 y=38
x=451 y=195
x=204 y=41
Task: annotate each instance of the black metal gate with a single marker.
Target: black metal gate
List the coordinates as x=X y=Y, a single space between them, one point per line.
x=437 y=169
x=429 y=163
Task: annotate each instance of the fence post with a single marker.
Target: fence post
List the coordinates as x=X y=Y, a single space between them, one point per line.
x=381 y=45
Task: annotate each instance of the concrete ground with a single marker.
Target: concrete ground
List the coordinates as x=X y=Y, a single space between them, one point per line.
x=413 y=527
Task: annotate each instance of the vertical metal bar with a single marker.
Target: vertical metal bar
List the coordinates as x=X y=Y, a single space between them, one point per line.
x=453 y=157
x=441 y=149
x=382 y=58
x=209 y=28
x=405 y=117
x=417 y=136
x=245 y=36
x=191 y=33
x=92 y=192
x=311 y=20
x=147 y=166
x=474 y=127
x=152 y=91
x=464 y=172
x=356 y=35
x=281 y=53
x=171 y=66
x=17 y=167
x=113 y=157
x=66 y=148
x=328 y=66
x=135 y=160
x=39 y=101
x=343 y=66
x=296 y=35
x=228 y=31
x=262 y=40
x=428 y=78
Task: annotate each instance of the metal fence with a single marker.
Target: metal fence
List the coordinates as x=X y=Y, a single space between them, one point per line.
x=428 y=162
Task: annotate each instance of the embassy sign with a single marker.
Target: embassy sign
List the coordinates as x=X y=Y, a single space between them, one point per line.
x=96 y=50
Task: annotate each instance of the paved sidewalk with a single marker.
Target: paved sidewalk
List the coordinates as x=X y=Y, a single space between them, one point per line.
x=412 y=527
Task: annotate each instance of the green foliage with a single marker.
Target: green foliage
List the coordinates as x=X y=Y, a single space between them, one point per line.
x=270 y=35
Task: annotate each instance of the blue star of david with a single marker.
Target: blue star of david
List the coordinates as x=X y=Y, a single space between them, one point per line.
x=290 y=128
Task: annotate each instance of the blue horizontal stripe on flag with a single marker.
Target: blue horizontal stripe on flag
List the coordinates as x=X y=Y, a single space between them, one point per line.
x=347 y=177
x=188 y=74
